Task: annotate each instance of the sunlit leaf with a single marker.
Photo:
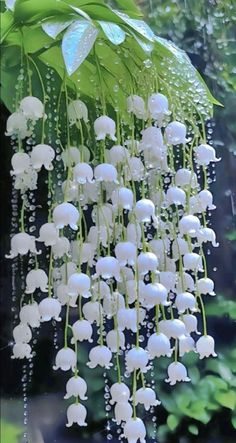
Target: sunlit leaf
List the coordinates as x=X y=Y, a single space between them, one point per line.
x=114 y=32
x=54 y=29
x=77 y=43
x=138 y=25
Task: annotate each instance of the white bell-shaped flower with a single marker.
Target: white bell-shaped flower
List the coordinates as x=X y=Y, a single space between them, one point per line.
x=22 y=333
x=192 y=261
x=118 y=154
x=190 y=322
x=100 y=356
x=205 y=286
x=176 y=372
x=76 y=387
x=154 y=294
x=179 y=247
x=32 y=108
x=42 y=155
x=112 y=303
x=50 y=308
x=134 y=169
x=82 y=330
x=147 y=261
x=71 y=156
x=186 y=344
x=82 y=173
x=185 y=283
x=48 y=234
x=207 y=234
x=190 y=225
x=83 y=253
x=66 y=270
x=158 y=106
x=66 y=214
x=151 y=138
x=136 y=105
x=29 y=314
x=108 y=267
x=176 y=196
x=62 y=294
x=123 y=412
x=134 y=233
x=205 y=346
x=76 y=413
x=120 y=393
x=115 y=340
x=135 y=430
x=137 y=359
x=65 y=360
x=172 y=328
x=26 y=181
x=160 y=247
x=17 y=125
x=105 y=126
x=98 y=235
x=22 y=243
x=205 y=154
x=168 y=279
x=61 y=247
x=79 y=284
x=21 y=350
x=105 y=172
x=36 y=278
x=92 y=311
x=146 y=397
x=20 y=163
x=126 y=253
x=135 y=290
x=122 y=198
x=159 y=345
x=100 y=289
x=102 y=215
x=185 y=300
x=206 y=199
x=77 y=110
x=144 y=210
x=176 y=133
x=186 y=177
x=127 y=318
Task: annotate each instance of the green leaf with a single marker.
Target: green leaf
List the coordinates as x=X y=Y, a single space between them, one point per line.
x=233 y=421
x=32 y=11
x=193 y=429
x=113 y=32
x=226 y=399
x=7 y=24
x=77 y=43
x=53 y=29
x=129 y=6
x=172 y=422
x=139 y=26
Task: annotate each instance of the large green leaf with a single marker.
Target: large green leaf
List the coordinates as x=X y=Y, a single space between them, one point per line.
x=7 y=24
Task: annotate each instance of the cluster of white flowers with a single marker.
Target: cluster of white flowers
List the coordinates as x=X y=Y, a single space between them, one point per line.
x=135 y=257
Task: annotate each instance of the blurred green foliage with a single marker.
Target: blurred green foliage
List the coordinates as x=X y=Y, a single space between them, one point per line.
x=9 y=432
